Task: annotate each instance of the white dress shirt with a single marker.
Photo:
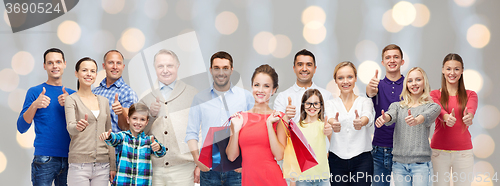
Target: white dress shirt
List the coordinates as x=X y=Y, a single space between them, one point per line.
x=350 y=142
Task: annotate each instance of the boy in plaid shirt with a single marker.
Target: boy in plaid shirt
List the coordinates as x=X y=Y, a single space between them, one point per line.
x=135 y=149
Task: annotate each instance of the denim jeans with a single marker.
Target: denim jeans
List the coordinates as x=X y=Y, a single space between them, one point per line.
x=211 y=177
x=382 y=166
x=355 y=171
x=324 y=182
x=416 y=174
x=48 y=169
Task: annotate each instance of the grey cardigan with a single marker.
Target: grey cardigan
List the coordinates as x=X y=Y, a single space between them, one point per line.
x=411 y=143
x=85 y=146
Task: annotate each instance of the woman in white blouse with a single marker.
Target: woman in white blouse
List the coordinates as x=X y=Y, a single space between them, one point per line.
x=351 y=117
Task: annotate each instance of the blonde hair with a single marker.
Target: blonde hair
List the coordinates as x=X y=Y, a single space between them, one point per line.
x=343 y=64
x=407 y=99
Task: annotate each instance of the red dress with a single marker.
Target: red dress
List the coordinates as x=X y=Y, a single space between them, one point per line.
x=258 y=164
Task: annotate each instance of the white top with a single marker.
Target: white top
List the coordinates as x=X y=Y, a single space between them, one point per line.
x=350 y=142
x=95 y=112
x=295 y=92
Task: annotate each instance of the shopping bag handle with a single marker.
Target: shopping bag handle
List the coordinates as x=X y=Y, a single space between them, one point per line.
x=228 y=121
x=286 y=126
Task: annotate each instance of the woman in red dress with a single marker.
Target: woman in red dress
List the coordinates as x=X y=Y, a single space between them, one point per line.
x=258 y=134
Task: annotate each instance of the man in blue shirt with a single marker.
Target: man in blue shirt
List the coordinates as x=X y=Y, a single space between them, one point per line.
x=383 y=93
x=211 y=108
x=50 y=163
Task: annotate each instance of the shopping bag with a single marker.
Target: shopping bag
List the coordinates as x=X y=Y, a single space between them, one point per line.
x=207 y=149
x=303 y=151
x=220 y=161
x=291 y=168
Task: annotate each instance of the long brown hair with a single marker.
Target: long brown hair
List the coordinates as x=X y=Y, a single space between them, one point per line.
x=306 y=96
x=461 y=92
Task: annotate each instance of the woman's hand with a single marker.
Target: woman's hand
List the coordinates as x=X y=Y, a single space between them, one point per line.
x=237 y=121
x=274 y=117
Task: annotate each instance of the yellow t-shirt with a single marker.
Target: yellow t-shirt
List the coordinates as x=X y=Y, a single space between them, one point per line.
x=317 y=139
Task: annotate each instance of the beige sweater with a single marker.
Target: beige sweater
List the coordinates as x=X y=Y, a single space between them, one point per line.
x=85 y=146
x=169 y=127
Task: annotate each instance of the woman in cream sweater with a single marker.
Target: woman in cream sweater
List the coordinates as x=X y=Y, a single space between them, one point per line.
x=91 y=161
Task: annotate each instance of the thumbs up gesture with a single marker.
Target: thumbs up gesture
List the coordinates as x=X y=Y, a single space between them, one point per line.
x=328 y=129
x=62 y=98
x=116 y=106
x=410 y=120
x=290 y=109
x=155 y=107
x=105 y=135
x=467 y=119
x=382 y=119
x=155 y=146
x=450 y=121
x=335 y=123
x=357 y=121
x=373 y=85
x=42 y=101
x=83 y=123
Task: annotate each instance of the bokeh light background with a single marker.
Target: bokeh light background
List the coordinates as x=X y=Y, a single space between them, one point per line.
x=258 y=32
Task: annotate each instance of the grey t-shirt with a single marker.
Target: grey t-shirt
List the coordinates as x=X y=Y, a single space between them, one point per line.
x=411 y=143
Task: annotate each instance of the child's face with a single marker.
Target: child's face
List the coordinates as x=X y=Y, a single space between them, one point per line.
x=415 y=82
x=137 y=122
x=313 y=106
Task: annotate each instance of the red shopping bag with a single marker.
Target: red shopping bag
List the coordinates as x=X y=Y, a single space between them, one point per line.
x=303 y=151
x=206 y=150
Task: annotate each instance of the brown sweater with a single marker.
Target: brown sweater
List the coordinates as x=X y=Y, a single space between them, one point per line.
x=85 y=146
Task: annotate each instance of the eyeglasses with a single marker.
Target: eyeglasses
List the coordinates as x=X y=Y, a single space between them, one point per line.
x=316 y=105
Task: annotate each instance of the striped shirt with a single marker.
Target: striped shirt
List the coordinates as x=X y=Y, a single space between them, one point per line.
x=126 y=97
x=134 y=154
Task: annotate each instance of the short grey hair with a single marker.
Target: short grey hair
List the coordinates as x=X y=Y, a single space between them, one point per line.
x=167 y=52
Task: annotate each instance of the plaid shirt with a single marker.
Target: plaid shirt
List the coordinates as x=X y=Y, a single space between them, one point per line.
x=134 y=164
x=126 y=97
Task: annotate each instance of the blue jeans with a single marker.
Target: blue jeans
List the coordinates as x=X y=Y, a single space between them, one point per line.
x=382 y=166
x=211 y=177
x=356 y=171
x=324 y=182
x=417 y=174
x=48 y=169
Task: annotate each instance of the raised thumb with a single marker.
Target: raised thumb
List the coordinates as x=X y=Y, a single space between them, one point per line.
x=376 y=73
x=452 y=112
x=43 y=91
x=289 y=101
x=64 y=90
x=86 y=117
x=116 y=97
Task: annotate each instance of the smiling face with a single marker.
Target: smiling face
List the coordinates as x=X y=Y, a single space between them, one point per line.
x=392 y=61
x=114 y=66
x=262 y=88
x=452 y=71
x=345 y=79
x=87 y=73
x=415 y=83
x=221 y=71
x=304 y=69
x=137 y=122
x=312 y=106
x=166 y=68
x=54 y=65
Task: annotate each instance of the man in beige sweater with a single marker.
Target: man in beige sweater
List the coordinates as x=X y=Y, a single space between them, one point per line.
x=169 y=106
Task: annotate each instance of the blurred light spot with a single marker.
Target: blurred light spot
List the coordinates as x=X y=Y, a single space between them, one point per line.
x=423 y=15
x=3 y=162
x=283 y=46
x=407 y=59
x=464 y=3
x=404 y=13
x=366 y=50
x=100 y=76
x=133 y=40
x=112 y=6
x=226 y=23
x=16 y=100
x=313 y=13
x=482 y=180
x=484 y=146
x=484 y=167
x=155 y=9
x=389 y=24
x=264 y=43
x=23 y=62
x=103 y=41
x=333 y=88
x=478 y=35
x=473 y=80
x=9 y=80
x=6 y=17
x=366 y=71
x=126 y=54
x=26 y=140
x=314 y=32
x=183 y=9
x=488 y=116
x=69 y=32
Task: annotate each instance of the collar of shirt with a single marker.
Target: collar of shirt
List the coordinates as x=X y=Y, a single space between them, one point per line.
x=118 y=83
x=140 y=135
x=214 y=94
x=296 y=87
x=399 y=81
x=170 y=86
